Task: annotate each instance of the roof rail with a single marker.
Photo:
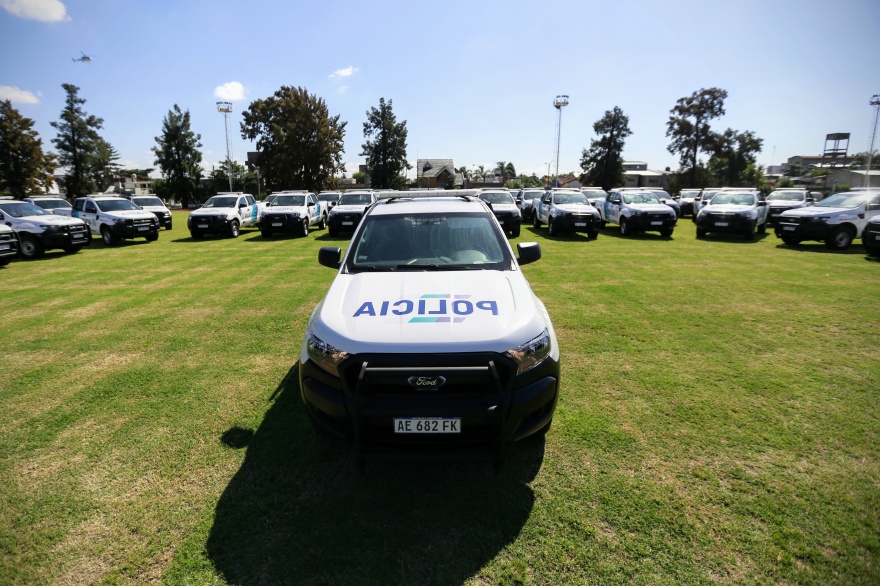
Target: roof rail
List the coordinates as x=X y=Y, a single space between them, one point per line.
x=465 y=194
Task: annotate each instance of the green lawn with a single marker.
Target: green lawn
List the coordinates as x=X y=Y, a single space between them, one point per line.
x=717 y=423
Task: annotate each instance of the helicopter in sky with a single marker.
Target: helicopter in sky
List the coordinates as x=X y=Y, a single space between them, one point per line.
x=84 y=59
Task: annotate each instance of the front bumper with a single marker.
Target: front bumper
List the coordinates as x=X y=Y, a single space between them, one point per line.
x=212 y=224
x=509 y=221
x=136 y=229
x=728 y=223
x=164 y=219
x=577 y=222
x=67 y=237
x=495 y=406
x=871 y=236
x=800 y=229
x=344 y=221
x=281 y=222
x=652 y=222
x=8 y=245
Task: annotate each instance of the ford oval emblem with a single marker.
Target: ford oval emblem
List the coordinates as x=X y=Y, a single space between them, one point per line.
x=426 y=383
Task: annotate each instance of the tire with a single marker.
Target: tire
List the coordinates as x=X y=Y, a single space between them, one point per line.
x=234 y=229
x=152 y=237
x=515 y=232
x=762 y=229
x=108 y=237
x=701 y=233
x=872 y=250
x=840 y=238
x=323 y=223
x=331 y=231
x=552 y=231
x=168 y=226
x=602 y=223
x=791 y=241
x=304 y=230
x=624 y=229
x=593 y=234
x=266 y=234
x=31 y=248
x=536 y=223
x=196 y=235
x=666 y=233
x=749 y=234
x=4 y=261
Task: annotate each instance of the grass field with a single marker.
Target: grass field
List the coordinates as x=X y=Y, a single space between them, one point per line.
x=717 y=423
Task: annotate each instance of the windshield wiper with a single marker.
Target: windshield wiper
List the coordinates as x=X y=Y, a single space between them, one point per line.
x=371 y=268
x=441 y=267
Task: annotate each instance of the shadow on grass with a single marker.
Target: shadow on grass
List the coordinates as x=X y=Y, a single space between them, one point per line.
x=820 y=248
x=298 y=512
x=564 y=237
x=614 y=232
x=734 y=238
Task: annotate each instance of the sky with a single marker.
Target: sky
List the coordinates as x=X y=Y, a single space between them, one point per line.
x=475 y=81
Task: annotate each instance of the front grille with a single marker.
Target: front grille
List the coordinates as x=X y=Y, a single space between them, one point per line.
x=7 y=237
x=143 y=222
x=349 y=217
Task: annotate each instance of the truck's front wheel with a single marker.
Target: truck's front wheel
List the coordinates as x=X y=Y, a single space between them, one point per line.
x=108 y=237
x=840 y=238
x=233 y=229
x=624 y=228
x=323 y=223
x=304 y=230
x=31 y=247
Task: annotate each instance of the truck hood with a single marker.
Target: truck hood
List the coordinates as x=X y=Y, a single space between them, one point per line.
x=286 y=210
x=154 y=209
x=651 y=207
x=727 y=208
x=352 y=208
x=52 y=220
x=577 y=209
x=438 y=311
x=814 y=211
x=133 y=214
x=786 y=204
x=213 y=212
x=504 y=207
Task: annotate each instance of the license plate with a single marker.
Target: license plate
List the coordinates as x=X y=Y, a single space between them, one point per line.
x=5 y=246
x=348 y=223
x=276 y=224
x=143 y=228
x=427 y=425
x=202 y=226
x=790 y=228
x=580 y=224
x=79 y=236
x=656 y=223
x=722 y=223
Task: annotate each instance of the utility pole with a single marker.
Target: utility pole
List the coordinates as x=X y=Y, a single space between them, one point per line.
x=559 y=103
x=875 y=101
x=225 y=108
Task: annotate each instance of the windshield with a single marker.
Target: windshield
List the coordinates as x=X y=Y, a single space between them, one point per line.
x=640 y=197
x=356 y=199
x=115 y=205
x=845 y=200
x=289 y=200
x=496 y=198
x=429 y=242
x=571 y=199
x=221 y=202
x=738 y=199
x=328 y=197
x=595 y=194
x=23 y=209
x=786 y=196
x=689 y=193
x=531 y=194
x=51 y=204
x=148 y=201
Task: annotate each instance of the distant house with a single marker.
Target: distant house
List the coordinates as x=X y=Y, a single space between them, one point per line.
x=436 y=173
x=638 y=175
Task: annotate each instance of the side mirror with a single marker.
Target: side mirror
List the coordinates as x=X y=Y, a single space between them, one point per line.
x=528 y=252
x=329 y=256
x=762 y=203
x=873 y=206
x=242 y=204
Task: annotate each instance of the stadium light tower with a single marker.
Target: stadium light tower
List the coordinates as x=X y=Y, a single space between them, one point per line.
x=559 y=103
x=875 y=101
x=225 y=108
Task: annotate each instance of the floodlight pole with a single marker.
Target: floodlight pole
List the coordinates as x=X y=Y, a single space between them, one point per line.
x=559 y=103
x=875 y=101
x=225 y=108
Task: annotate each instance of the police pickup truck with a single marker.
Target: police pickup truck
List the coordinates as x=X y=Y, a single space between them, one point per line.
x=150 y=202
x=738 y=212
x=40 y=230
x=430 y=342
x=114 y=218
x=8 y=244
x=566 y=210
x=637 y=210
x=871 y=236
x=225 y=213
x=837 y=220
x=504 y=207
x=348 y=211
x=292 y=212
x=787 y=198
x=50 y=203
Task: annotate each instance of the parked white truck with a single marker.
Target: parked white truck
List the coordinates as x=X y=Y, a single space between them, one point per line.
x=225 y=213
x=8 y=245
x=293 y=212
x=40 y=230
x=113 y=218
x=637 y=210
x=836 y=220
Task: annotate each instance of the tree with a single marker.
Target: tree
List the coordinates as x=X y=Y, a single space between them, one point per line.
x=242 y=179
x=300 y=143
x=506 y=171
x=24 y=168
x=104 y=168
x=603 y=163
x=688 y=126
x=860 y=160
x=732 y=153
x=385 y=147
x=178 y=156
x=79 y=144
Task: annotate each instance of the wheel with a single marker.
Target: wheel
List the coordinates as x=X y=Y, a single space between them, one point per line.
x=551 y=227
x=31 y=247
x=108 y=237
x=839 y=239
x=624 y=228
x=701 y=233
x=266 y=233
x=304 y=230
x=323 y=223
x=872 y=250
x=152 y=237
x=665 y=233
x=762 y=229
x=168 y=226
x=233 y=229
x=196 y=235
x=536 y=223
x=4 y=261
x=593 y=234
x=515 y=232
x=791 y=241
x=602 y=223
x=331 y=231
x=749 y=234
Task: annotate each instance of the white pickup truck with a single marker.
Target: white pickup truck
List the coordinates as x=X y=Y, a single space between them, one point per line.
x=40 y=230
x=637 y=210
x=293 y=212
x=225 y=213
x=8 y=245
x=565 y=210
x=837 y=220
x=113 y=218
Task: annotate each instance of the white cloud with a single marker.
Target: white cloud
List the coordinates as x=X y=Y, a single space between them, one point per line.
x=232 y=91
x=17 y=96
x=343 y=89
x=347 y=72
x=45 y=10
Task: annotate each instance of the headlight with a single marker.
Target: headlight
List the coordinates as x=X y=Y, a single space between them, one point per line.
x=118 y=220
x=326 y=356
x=532 y=353
x=51 y=229
x=821 y=218
x=744 y=214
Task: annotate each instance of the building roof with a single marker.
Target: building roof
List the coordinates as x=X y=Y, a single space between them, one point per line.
x=433 y=167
